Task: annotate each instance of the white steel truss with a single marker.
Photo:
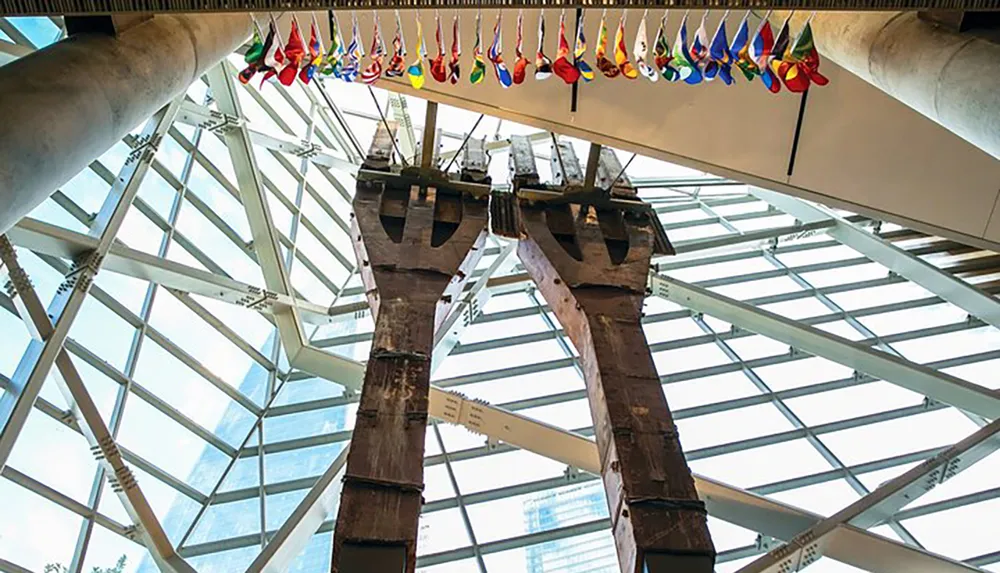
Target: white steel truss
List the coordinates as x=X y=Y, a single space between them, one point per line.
x=327 y=145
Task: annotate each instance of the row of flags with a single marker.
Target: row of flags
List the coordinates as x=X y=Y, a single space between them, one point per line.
x=776 y=59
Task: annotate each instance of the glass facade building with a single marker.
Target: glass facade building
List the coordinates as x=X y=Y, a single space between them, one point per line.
x=225 y=436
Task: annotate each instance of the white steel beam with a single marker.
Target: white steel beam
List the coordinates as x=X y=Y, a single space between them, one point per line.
x=276 y=278
x=407 y=137
x=498 y=145
x=766 y=516
x=47 y=239
x=878 y=506
x=95 y=430
x=50 y=326
x=221 y=122
x=468 y=309
x=922 y=379
x=317 y=506
x=10 y=51
x=950 y=288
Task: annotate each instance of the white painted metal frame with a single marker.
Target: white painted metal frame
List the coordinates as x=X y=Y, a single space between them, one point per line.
x=871 y=510
x=50 y=337
x=760 y=514
x=937 y=385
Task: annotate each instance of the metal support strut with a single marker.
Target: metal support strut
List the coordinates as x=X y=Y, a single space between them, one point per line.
x=588 y=251
x=417 y=236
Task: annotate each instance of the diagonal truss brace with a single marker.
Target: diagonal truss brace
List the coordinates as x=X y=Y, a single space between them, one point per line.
x=468 y=309
x=300 y=353
x=46 y=239
x=102 y=443
x=950 y=288
x=48 y=346
x=766 y=516
x=881 y=504
x=924 y=380
x=317 y=506
x=48 y=340
x=219 y=122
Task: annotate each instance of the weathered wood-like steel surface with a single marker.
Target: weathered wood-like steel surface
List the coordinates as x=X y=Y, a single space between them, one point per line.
x=416 y=247
x=591 y=266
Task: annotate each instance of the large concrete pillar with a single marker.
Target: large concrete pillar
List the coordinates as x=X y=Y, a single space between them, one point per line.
x=952 y=78
x=65 y=105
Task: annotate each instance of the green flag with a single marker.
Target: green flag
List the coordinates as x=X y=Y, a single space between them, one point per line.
x=803 y=45
x=256 y=50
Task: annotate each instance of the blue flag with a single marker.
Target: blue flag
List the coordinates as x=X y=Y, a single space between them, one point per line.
x=720 y=60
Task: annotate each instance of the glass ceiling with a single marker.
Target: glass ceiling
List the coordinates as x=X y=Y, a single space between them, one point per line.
x=225 y=437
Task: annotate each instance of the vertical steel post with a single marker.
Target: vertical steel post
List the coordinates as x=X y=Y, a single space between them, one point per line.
x=590 y=262
x=416 y=245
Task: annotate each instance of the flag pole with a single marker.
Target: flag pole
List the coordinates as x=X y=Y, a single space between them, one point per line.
x=721 y=22
x=798 y=37
x=256 y=26
x=319 y=33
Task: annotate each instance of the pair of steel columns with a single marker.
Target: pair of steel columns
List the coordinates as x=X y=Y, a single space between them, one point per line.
x=415 y=247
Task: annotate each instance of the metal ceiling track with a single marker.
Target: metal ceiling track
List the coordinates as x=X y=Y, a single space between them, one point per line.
x=62 y=7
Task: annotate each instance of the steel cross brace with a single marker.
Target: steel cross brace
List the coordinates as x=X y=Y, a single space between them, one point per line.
x=417 y=239
x=880 y=505
x=590 y=263
x=49 y=329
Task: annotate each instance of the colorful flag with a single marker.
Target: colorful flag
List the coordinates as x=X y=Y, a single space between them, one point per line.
x=771 y=77
x=641 y=50
x=686 y=68
x=274 y=58
x=295 y=52
x=495 y=54
x=720 y=60
x=416 y=70
x=699 y=46
x=255 y=55
x=397 y=65
x=478 y=65
x=373 y=72
x=438 y=71
x=352 y=61
x=800 y=67
x=740 y=49
x=256 y=50
x=334 y=55
x=521 y=63
x=621 y=54
x=543 y=65
x=661 y=53
x=454 y=67
x=607 y=67
x=760 y=53
x=579 y=50
x=315 y=54
x=562 y=66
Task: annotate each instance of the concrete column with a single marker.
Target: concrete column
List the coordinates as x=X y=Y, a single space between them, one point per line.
x=952 y=78
x=65 y=105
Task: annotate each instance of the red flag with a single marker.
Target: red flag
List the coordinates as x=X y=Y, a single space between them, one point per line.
x=315 y=51
x=562 y=67
x=295 y=51
x=521 y=63
x=438 y=69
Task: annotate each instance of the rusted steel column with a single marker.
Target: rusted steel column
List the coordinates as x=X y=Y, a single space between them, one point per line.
x=415 y=245
x=591 y=264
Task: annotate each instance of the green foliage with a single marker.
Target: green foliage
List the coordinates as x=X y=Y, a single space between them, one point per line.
x=59 y=568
